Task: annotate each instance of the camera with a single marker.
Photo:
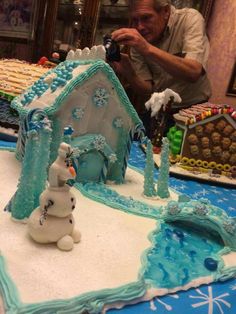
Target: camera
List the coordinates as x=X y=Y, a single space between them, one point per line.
x=112 y=49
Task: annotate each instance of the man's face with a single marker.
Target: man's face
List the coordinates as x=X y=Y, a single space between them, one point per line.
x=149 y=23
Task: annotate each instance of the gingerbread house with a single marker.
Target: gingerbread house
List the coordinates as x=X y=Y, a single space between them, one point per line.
x=87 y=96
x=204 y=137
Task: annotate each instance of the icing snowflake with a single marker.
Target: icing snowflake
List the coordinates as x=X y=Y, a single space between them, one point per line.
x=99 y=142
x=210 y=301
x=168 y=307
x=230 y=226
x=200 y=209
x=204 y=201
x=78 y=113
x=100 y=97
x=118 y=123
x=77 y=152
x=113 y=158
x=173 y=208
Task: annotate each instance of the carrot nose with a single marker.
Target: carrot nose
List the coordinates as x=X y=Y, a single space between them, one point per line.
x=72 y=171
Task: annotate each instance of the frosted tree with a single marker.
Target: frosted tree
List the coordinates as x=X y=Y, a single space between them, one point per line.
x=23 y=202
x=56 y=138
x=118 y=169
x=149 y=186
x=42 y=160
x=163 y=177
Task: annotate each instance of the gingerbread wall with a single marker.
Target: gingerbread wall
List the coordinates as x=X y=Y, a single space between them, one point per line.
x=222 y=34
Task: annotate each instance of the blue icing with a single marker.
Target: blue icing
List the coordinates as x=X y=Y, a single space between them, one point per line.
x=36 y=90
x=192 y=255
x=63 y=75
x=101 y=193
x=186 y=276
x=181 y=265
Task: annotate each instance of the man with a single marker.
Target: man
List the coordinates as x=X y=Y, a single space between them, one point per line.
x=168 y=49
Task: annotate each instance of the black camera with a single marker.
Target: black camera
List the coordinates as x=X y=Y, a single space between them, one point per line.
x=112 y=49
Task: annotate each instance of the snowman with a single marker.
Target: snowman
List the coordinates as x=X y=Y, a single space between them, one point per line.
x=53 y=221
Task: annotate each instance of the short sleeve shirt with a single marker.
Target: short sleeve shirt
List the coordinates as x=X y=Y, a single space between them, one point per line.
x=184 y=37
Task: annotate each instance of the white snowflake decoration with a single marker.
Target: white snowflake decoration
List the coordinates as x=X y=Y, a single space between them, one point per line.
x=230 y=226
x=99 y=142
x=168 y=307
x=173 y=208
x=77 y=151
x=118 y=123
x=100 y=97
x=210 y=301
x=200 y=209
x=78 y=113
x=113 y=158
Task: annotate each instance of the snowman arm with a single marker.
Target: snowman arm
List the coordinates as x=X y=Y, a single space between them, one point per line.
x=44 y=214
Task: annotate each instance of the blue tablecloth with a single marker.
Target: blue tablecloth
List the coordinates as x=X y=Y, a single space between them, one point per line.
x=217 y=298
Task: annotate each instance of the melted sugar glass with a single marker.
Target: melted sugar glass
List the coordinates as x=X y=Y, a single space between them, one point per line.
x=178 y=254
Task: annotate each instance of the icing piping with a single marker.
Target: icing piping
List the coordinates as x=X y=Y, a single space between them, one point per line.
x=79 y=80
x=94 y=301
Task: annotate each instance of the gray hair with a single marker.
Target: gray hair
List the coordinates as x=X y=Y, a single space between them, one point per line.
x=157 y=4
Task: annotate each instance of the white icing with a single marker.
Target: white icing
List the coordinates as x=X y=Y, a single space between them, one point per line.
x=154 y=292
x=96 y=52
x=160 y=100
x=112 y=261
x=53 y=221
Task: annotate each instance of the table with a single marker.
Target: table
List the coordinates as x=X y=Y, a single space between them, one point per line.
x=216 y=298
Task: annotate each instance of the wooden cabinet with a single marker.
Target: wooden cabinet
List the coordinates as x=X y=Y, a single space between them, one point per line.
x=111 y=17
x=68 y=24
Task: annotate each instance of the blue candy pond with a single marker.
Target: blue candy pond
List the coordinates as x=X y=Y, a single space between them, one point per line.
x=180 y=254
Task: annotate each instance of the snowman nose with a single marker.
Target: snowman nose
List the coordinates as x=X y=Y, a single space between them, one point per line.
x=72 y=171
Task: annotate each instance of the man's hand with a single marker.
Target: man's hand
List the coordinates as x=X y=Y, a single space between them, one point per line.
x=125 y=70
x=131 y=38
x=184 y=68
x=123 y=67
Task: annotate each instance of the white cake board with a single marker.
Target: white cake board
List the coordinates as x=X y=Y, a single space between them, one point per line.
x=111 y=246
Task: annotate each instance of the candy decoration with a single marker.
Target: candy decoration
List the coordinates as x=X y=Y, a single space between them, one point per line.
x=210 y=264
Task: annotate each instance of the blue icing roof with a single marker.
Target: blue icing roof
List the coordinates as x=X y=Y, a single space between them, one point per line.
x=62 y=76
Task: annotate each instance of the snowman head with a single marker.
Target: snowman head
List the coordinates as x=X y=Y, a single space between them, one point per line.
x=62 y=170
